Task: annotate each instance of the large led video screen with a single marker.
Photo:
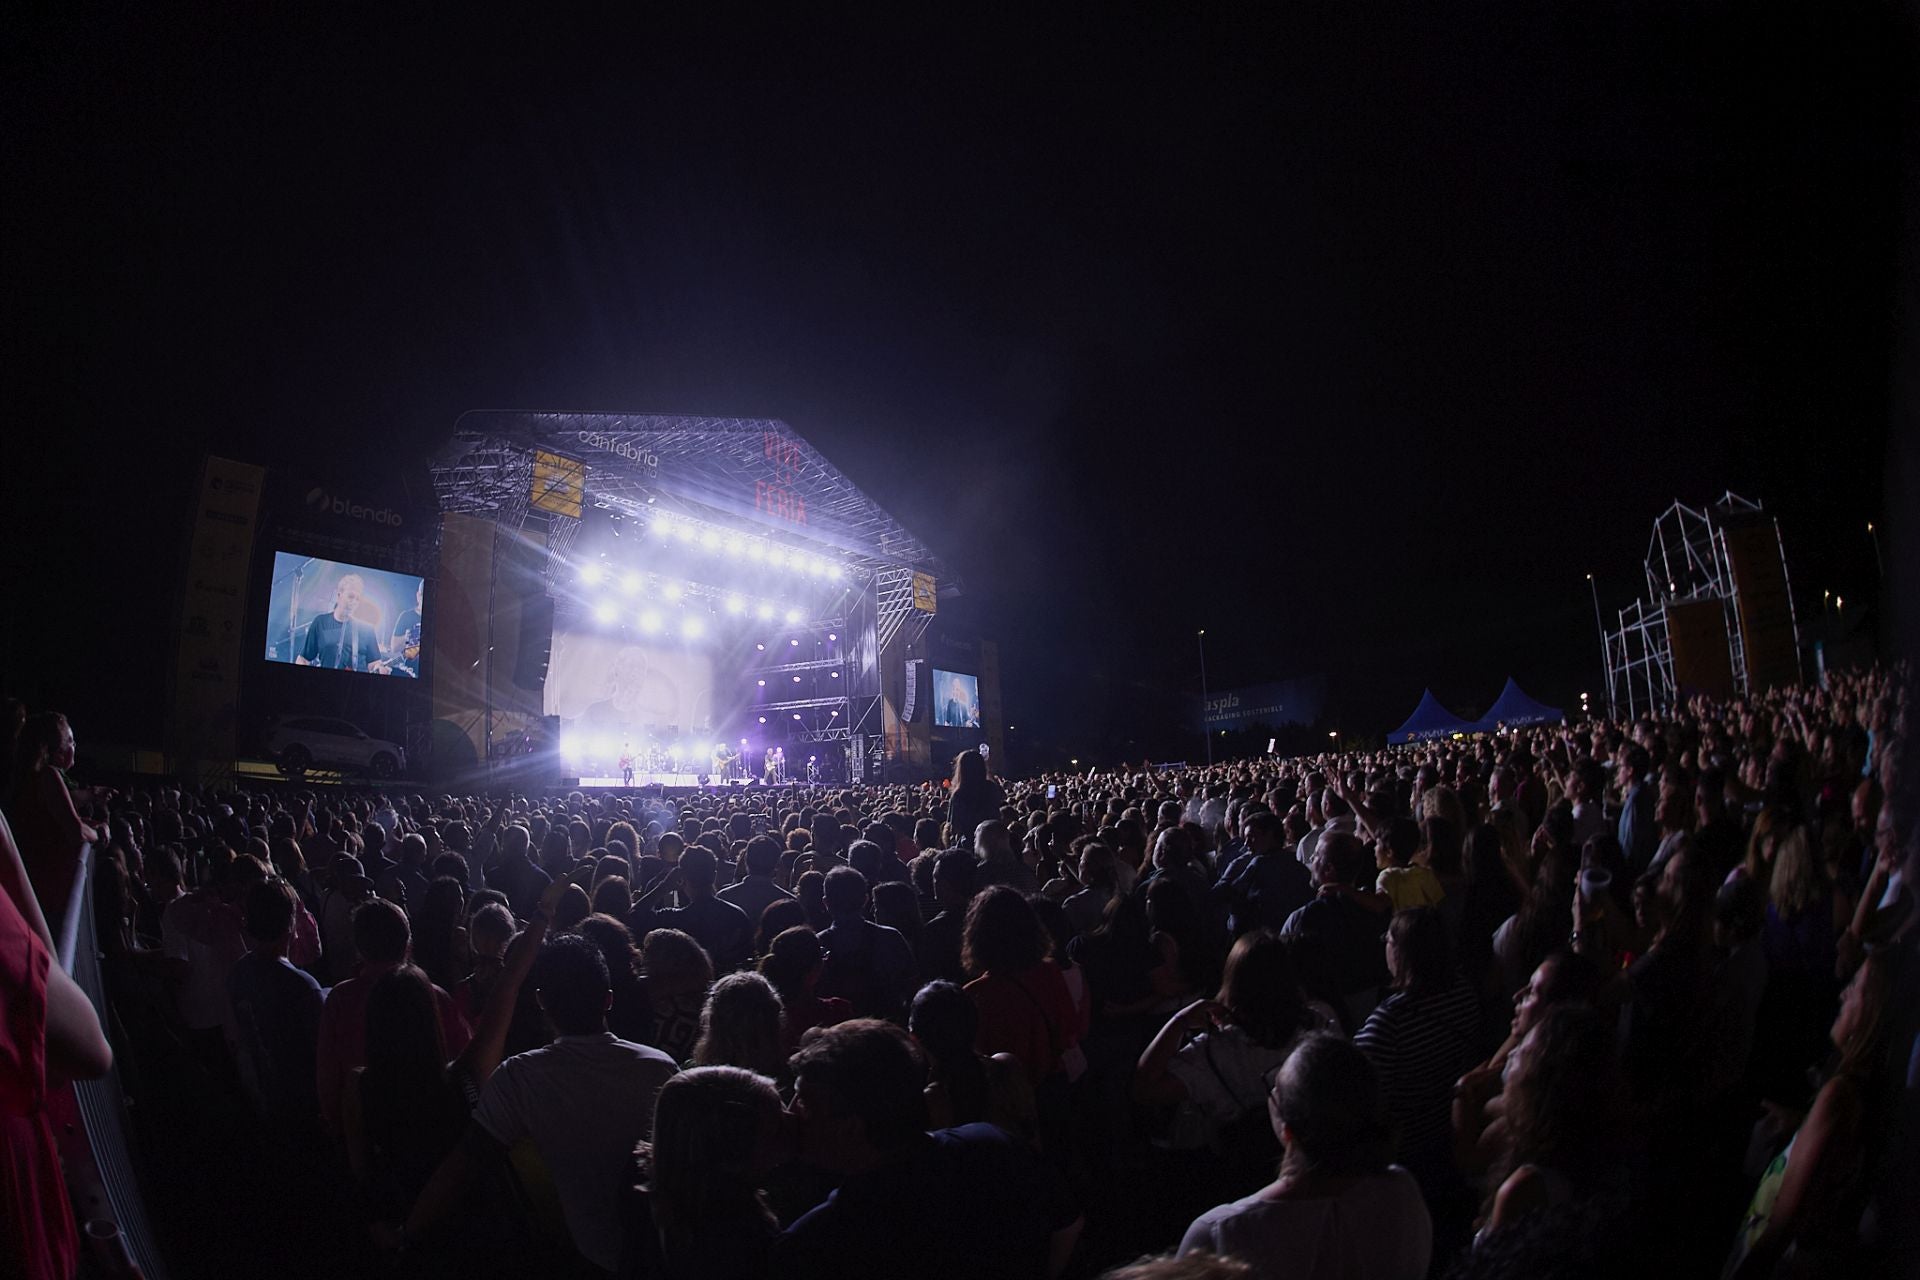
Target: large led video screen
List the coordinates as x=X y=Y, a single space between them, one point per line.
x=956 y=700
x=346 y=617
x=642 y=694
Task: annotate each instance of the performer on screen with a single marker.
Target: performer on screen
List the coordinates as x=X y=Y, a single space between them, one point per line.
x=404 y=647
x=341 y=641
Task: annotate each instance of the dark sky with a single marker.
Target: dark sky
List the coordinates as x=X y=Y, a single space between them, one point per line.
x=1355 y=337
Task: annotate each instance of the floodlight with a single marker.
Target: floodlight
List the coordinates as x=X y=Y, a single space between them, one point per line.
x=693 y=628
x=650 y=621
x=590 y=574
x=630 y=583
x=735 y=544
x=756 y=550
x=794 y=615
x=710 y=540
x=736 y=604
x=604 y=612
x=836 y=572
x=764 y=612
x=672 y=591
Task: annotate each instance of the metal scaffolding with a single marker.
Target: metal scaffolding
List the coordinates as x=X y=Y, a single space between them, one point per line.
x=1686 y=563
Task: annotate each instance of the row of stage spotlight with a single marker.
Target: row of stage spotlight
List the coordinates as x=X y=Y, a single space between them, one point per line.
x=759 y=550
x=691 y=626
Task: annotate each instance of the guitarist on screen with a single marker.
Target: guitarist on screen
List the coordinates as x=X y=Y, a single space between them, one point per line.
x=338 y=640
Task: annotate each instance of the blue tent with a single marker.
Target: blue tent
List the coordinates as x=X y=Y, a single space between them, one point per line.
x=1429 y=720
x=1514 y=709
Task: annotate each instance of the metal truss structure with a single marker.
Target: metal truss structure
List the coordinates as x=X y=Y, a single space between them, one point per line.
x=726 y=475
x=1686 y=563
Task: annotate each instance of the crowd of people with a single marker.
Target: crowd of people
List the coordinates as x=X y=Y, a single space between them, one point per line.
x=1598 y=999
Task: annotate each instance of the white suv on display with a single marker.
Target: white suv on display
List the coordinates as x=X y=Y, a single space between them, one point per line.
x=299 y=743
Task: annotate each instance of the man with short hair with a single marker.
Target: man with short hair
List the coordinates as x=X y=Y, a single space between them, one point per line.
x=1271 y=885
x=963 y=1202
x=276 y=1012
x=868 y=965
x=515 y=875
x=1347 y=937
x=955 y=875
x=381 y=936
x=583 y=1102
x=757 y=891
x=1639 y=833
x=405 y=882
x=718 y=926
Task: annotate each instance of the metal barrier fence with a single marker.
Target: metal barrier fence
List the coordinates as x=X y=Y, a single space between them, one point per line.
x=97 y=1154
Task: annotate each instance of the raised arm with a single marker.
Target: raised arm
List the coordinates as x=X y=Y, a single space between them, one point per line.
x=482 y=1054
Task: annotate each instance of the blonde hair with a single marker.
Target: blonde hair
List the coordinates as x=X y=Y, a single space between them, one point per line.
x=1799 y=879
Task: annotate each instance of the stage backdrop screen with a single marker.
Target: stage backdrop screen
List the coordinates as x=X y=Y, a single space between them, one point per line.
x=606 y=686
x=321 y=613
x=956 y=700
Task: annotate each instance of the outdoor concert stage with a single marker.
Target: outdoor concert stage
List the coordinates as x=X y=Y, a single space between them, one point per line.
x=662 y=588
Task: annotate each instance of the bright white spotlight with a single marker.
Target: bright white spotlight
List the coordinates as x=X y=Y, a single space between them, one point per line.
x=836 y=572
x=693 y=628
x=743 y=742
x=796 y=679
x=834 y=674
x=569 y=747
x=817 y=567
x=735 y=544
x=736 y=604
x=796 y=715
x=604 y=612
x=764 y=612
x=793 y=643
x=630 y=583
x=761 y=683
x=710 y=540
x=685 y=532
x=763 y=719
x=832 y=635
x=650 y=621
x=672 y=591
x=663 y=524
x=756 y=550
x=794 y=615
x=590 y=574
x=761 y=647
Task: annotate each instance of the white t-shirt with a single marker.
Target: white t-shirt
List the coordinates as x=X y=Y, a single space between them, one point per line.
x=1378 y=1229
x=1226 y=1073
x=584 y=1101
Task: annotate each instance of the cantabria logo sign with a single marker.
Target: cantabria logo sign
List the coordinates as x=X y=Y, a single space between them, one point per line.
x=345 y=508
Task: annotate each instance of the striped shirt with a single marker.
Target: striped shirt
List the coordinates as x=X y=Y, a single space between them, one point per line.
x=1419 y=1047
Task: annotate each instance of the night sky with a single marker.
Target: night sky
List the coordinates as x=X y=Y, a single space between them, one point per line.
x=1357 y=336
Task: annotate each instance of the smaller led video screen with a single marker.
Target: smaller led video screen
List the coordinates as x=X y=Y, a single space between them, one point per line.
x=956 y=700
x=346 y=617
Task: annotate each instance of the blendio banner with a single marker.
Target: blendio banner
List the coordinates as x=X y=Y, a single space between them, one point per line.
x=206 y=681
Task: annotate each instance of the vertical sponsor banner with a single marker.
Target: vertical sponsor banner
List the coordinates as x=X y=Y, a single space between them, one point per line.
x=990 y=714
x=206 y=681
x=459 y=642
x=1766 y=615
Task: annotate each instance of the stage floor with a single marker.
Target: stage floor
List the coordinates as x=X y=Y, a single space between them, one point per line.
x=659 y=780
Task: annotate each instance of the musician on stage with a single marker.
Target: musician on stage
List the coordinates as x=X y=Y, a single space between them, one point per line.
x=338 y=640
x=626 y=765
x=405 y=643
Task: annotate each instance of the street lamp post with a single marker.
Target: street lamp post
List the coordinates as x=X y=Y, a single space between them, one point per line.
x=1206 y=730
x=1601 y=627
